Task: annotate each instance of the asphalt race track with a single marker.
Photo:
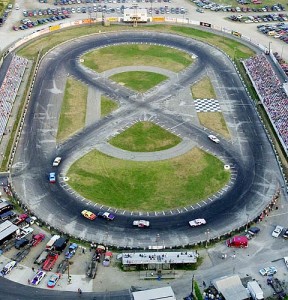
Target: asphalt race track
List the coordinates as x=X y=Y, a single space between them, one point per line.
x=255 y=172
x=16 y=291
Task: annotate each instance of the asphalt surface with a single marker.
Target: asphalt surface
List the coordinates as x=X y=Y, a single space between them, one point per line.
x=15 y=291
x=255 y=173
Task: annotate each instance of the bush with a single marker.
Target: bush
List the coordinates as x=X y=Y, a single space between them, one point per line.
x=198 y=293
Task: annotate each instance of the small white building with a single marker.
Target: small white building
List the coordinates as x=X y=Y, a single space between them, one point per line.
x=135 y=15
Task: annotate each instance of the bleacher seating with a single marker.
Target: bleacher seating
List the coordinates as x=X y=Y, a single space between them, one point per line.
x=271 y=92
x=9 y=89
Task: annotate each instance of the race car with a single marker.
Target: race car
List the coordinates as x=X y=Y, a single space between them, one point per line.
x=52 y=177
x=38 y=277
x=53 y=280
x=141 y=223
x=268 y=271
x=88 y=214
x=214 y=139
x=56 y=161
x=106 y=215
x=197 y=222
x=8 y=267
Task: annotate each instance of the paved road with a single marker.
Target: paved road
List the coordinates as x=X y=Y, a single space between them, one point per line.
x=253 y=181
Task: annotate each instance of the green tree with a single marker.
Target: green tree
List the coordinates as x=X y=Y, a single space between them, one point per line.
x=197 y=290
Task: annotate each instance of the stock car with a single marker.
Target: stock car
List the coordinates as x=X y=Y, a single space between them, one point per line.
x=56 y=161
x=106 y=215
x=54 y=278
x=268 y=271
x=8 y=267
x=277 y=231
x=38 y=277
x=214 y=139
x=88 y=214
x=197 y=222
x=141 y=223
x=52 y=177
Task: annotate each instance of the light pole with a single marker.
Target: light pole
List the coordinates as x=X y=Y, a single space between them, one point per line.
x=157 y=240
x=246 y=229
x=269 y=47
x=207 y=237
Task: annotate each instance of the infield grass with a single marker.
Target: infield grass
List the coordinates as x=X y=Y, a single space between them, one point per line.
x=145 y=137
x=214 y=121
x=136 y=55
x=139 y=81
x=148 y=186
x=73 y=110
x=203 y=89
x=107 y=106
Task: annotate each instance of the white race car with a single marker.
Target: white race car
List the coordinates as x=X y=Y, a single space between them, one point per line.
x=197 y=222
x=57 y=161
x=141 y=223
x=214 y=139
x=277 y=231
x=38 y=277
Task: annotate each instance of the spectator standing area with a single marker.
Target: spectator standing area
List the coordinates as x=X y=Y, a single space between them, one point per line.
x=157 y=260
x=271 y=93
x=9 y=89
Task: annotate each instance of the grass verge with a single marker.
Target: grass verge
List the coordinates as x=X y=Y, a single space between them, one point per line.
x=147 y=186
x=138 y=80
x=145 y=137
x=107 y=106
x=214 y=121
x=203 y=89
x=136 y=55
x=73 y=110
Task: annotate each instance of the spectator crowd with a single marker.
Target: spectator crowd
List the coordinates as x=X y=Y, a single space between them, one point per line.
x=9 y=89
x=271 y=93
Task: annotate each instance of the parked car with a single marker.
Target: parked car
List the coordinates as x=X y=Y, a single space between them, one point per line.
x=285 y=234
x=141 y=223
x=107 y=258
x=36 y=239
x=197 y=222
x=54 y=278
x=106 y=215
x=8 y=267
x=88 y=214
x=214 y=139
x=52 y=177
x=20 y=219
x=38 y=277
x=277 y=231
x=71 y=250
x=21 y=243
x=24 y=232
x=268 y=271
x=57 y=161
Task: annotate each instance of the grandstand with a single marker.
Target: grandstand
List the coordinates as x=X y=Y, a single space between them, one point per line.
x=272 y=94
x=9 y=89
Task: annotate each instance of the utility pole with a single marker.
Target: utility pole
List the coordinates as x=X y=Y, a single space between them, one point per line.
x=192 y=286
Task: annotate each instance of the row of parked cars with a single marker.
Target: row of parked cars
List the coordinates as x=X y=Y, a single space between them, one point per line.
x=275 y=17
x=70 y=2
x=206 y=4
x=277 y=31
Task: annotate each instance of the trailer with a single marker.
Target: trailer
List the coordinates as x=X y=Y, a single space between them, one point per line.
x=277 y=287
x=19 y=256
x=92 y=268
x=50 y=261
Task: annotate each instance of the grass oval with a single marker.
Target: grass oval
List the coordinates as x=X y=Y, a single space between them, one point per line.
x=148 y=186
x=137 y=55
